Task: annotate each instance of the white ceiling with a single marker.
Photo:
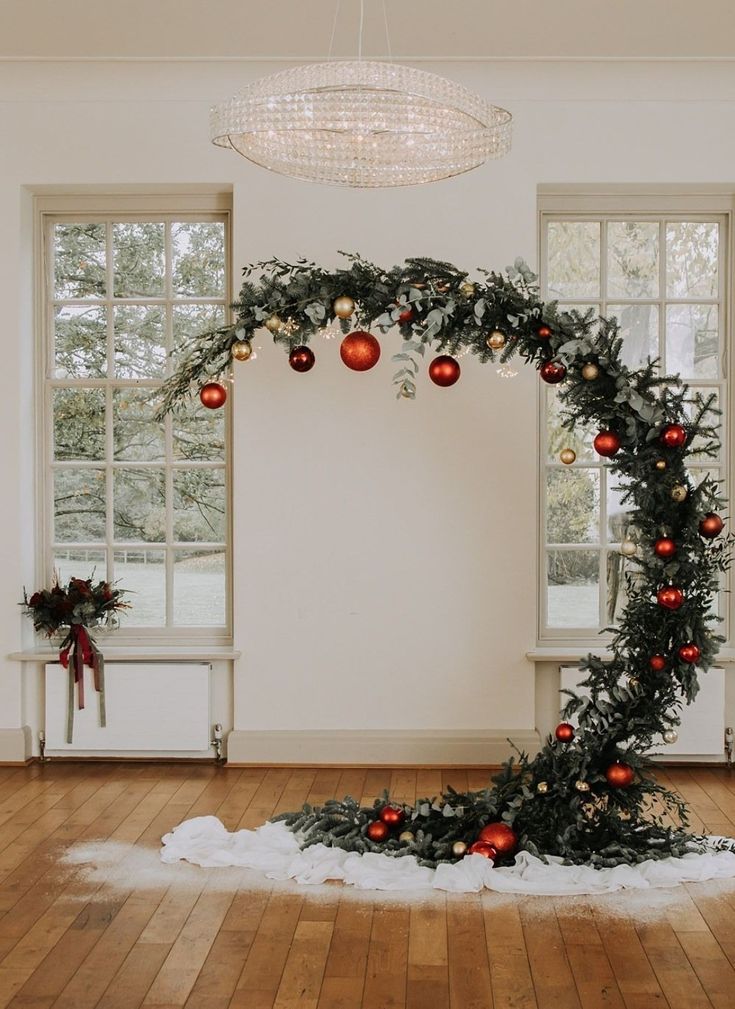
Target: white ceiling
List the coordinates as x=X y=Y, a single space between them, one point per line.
x=419 y=29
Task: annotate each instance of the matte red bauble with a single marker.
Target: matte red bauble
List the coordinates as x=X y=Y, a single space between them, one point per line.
x=482 y=848
x=657 y=663
x=664 y=547
x=543 y=333
x=711 y=526
x=690 y=652
x=301 y=359
x=213 y=395
x=673 y=436
x=392 y=816
x=502 y=837
x=444 y=370
x=405 y=316
x=619 y=775
x=564 y=732
x=670 y=597
x=377 y=831
x=360 y=351
x=607 y=444
x=552 y=372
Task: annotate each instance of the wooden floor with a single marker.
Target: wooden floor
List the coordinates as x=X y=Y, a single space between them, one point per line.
x=89 y=917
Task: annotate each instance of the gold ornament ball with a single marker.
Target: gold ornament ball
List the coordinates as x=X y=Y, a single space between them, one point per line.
x=496 y=340
x=582 y=786
x=633 y=682
x=590 y=372
x=406 y=837
x=542 y=787
x=467 y=288
x=344 y=307
x=679 y=493
x=406 y=392
x=567 y=456
x=661 y=465
x=459 y=848
x=628 y=548
x=273 y=324
x=241 y=350
x=670 y=736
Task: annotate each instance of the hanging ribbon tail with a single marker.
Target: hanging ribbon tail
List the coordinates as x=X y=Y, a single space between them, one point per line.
x=70 y=702
x=98 y=665
x=79 y=673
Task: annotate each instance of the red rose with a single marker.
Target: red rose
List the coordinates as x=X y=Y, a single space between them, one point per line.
x=35 y=599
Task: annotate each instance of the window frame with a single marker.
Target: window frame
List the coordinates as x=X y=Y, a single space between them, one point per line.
x=139 y=207
x=589 y=203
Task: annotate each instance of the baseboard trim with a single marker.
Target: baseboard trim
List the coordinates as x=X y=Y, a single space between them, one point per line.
x=374 y=748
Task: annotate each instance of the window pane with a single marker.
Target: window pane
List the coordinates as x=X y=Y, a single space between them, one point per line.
x=711 y=417
x=138 y=260
x=79 y=505
x=79 y=424
x=573 y=259
x=79 y=261
x=639 y=329
x=692 y=259
x=632 y=259
x=557 y=437
x=136 y=436
x=139 y=505
x=692 y=341
x=198 y=259
x=199 y=588
x=191 y=320
x=199 y=505
x=80 y=342
x=573 y=588
x=617 y=594
x=140 y=343
x=75 y=563
x=573 y=506
x=143 y=573
x=199 y=434
x=618 y=514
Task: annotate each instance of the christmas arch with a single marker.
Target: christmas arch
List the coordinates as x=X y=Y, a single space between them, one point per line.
x=589 y=796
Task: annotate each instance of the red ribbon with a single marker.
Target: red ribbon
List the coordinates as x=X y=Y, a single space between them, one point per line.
x=82 y=653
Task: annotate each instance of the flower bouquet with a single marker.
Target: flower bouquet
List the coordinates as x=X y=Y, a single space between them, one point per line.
x=75 y=608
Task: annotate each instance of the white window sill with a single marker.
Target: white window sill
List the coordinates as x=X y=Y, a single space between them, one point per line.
x=137 y=653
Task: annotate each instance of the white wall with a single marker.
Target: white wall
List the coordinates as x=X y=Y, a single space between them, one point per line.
x=385 y=552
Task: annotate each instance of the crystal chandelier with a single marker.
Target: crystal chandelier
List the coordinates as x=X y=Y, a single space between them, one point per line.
x=361 y=123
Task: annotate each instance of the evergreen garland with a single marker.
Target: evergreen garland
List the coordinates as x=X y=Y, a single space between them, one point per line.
x=560 y=802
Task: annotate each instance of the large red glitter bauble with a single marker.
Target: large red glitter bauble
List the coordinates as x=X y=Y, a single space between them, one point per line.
x=552 y=372
x=564 y=732
x=673 y=436
x=711 y=526
x=483 y=848
x=664 y=547
x=213 y=395
x=619 y=775
x=502 y=837
x=377 y=831
x=444 y=370
x=689 y=652
x=670 y=597
x=607 y=444
x=360 y=351
x=392 y=816
x=657 y=663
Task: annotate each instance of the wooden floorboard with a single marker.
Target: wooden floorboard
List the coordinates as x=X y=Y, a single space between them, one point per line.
x=91 y=919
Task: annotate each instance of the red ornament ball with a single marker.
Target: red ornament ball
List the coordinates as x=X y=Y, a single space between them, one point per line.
x=711 y=526
x=619 y=775
x=444 y=370
x=502 y=837
x=543 y=333
x=689 y=652
x=405 y=316
x=301 y=359
x=664 y=547
x=360 y=351
x=378 y=831
x=564 y=732
x=607 y=444
x=213 y=395
x=673 y=436
x=552 y=372
x=392 y=816
x=483 y=848
x=670 y=597
x=657 y=663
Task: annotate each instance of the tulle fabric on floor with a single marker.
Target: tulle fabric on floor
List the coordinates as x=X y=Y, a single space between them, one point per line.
x=274 y=850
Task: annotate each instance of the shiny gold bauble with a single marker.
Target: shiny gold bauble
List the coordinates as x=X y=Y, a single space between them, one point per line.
x=273 y=324
x=628 y=548
x=467 y=288
x=459 y=848
x=590 y=372
x=242 y=350
x=406 y=837
x=567 y=456
x=582 y=786
x=406 y=391
x=542 y=787
x=496 y=340
x=670 y=736
x=661 y=465
x=679 y=492
x=633 y=682
x=344 y=307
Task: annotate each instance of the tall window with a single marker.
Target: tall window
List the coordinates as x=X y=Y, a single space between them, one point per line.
x=663 y=277
x=141 y=502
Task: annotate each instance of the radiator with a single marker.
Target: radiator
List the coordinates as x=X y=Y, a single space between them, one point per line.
x=702 y=729
x=152 y=707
